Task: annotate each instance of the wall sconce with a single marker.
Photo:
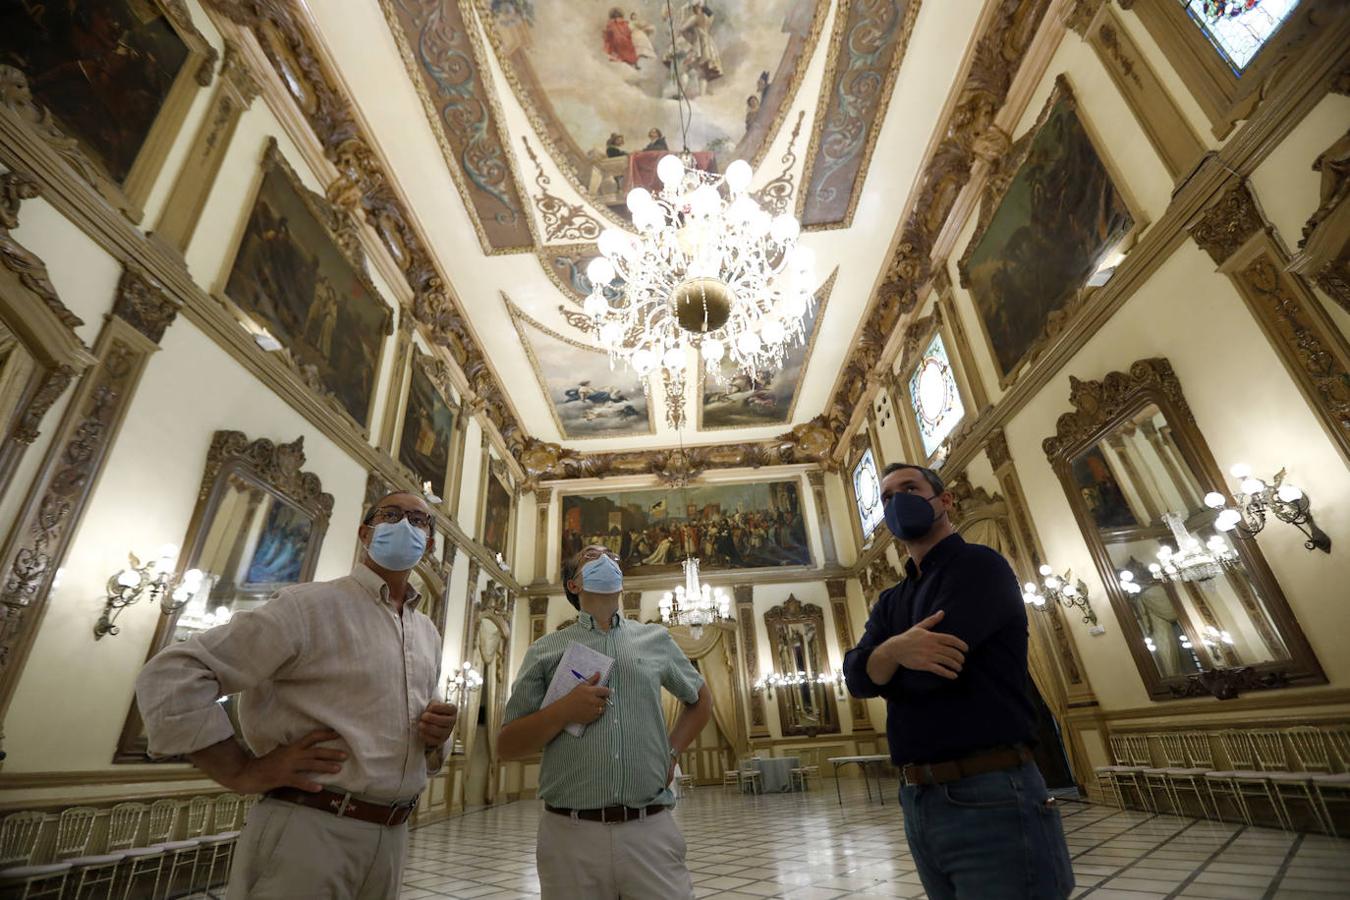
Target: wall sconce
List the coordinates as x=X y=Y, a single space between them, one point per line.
x=154 y=578
x=766 y=684
x=464 y=682
x=430 y=495
x=1255 y=499
x=1059 y=589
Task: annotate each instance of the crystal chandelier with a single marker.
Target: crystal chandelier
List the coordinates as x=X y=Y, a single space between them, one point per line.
x=694 y=604
x=766 y=683
x=1191 y=560
x=708 y=267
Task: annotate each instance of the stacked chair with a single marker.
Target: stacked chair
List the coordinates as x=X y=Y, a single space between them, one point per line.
x=1183 y=772
x=147 y=860
x=1124 y=774
x=18 y=847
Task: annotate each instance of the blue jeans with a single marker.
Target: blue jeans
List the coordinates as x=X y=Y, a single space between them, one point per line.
x=988 y=837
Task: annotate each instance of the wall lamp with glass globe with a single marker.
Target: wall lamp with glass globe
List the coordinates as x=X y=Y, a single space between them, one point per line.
x=1254 y=500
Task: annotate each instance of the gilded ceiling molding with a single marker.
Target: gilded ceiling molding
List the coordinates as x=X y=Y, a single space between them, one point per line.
x=1324 y=249
x=563 y=221
x=1096 y=403
x=866 y=51
x=1079 y=15
x=290 y=49
x=997 y=57
x=1228 y=224
x=439 y=44
x=809 y=442
x=143 y=303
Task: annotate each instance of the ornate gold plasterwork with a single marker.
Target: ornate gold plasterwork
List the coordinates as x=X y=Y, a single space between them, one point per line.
x=1324 y=249
x=16 y=96
x=997 y=56
x=1096 y=403
x=1080 y=14
x=15 y=187
x=563 y=221
x=1227 y=224
x=143 y=303
x=280 y=466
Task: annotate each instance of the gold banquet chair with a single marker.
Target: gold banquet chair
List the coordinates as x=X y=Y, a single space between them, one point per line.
x=142 y=861
x=124 y=821
x=183 y=853
x=1122 y=773
x=218 y=847
x=18 y=846
x=1246 y=780
x=1184 y=772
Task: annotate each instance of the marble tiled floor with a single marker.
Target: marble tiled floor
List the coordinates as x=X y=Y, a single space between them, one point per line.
x=805 y=847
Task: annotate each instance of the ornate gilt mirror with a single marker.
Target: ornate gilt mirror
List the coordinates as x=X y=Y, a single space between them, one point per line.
x=1136 y=469
x=796 y=638
x=258 y=526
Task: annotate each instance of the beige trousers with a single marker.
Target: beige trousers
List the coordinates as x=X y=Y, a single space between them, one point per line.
x=642 y=859
x=286 y=852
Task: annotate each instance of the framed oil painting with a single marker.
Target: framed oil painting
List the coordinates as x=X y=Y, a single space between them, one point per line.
x=426 y=439
x=727 y=526
x=587 y=395
x=1048 y=220
x=116 y=76
x=598 y=81
x=298 y=271
x=282 y=547
x=1100 y=489
x=741 y=400
x=497 y=515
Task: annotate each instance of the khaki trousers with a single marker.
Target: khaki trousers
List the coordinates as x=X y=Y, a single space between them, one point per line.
x=642 y=859
x=287 y=852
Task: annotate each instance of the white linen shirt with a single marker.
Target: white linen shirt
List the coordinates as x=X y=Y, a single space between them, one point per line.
x=333 y=654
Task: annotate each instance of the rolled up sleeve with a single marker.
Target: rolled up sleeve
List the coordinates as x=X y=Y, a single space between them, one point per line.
x=527 y=694
x=679 y=675
x=178 y=690
x=875 y=633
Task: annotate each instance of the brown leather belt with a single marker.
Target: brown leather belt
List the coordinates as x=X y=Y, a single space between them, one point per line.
x=975 y=764
x=610 y=815
x=345 y=806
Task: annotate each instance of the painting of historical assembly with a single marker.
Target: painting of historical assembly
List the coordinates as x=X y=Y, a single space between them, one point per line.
x=290 y=275
x=589 y=396
x=428 y=428
x=496 y=516
x=603 y=79
x=1059 y=217
x=741 y=399
x=1100 y=490
x=727 y=526
x=279 y=555
x=102 y=69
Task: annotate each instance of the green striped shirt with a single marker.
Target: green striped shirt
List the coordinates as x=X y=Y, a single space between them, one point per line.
x=623 y=757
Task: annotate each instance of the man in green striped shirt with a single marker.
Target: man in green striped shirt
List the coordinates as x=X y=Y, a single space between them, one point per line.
x=606 y=833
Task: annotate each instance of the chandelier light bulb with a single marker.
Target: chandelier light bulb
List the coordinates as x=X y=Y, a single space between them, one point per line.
x=600 y=271
x=738 y=176
x=1029 y=588
x=1215 y=500
x=803 y=259
x=1289 y=493
x=610 y=333
x=1045 y=570
x=1127 y=575
x=704 y=201
x=1253 y=485
x=674 y=359
x=1240 y=470
x=749 y=343
x=713 y=350
x=129 y=578
x=644 y=360
x=612 y=242
x=773 y=331
x=670 y=170
x=639 y=199
x=784 y=228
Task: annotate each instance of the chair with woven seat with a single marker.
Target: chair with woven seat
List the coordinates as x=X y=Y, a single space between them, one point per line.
x=124 y=821
x=18 y=847
x=218 y=847
x=1245 y=779
x=183 y=853
x=1183 y=772
x=149 y=859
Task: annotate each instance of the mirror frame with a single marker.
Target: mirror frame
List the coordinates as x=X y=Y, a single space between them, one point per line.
x=1099 y=407
x=274 y=468
x=791 y=612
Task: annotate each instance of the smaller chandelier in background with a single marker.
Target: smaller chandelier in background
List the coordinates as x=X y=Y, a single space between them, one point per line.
x=694 y=604
x=1062 y=590
x=1190 y=560
x=708 y=267
x=1255 y=499
x=774 y=680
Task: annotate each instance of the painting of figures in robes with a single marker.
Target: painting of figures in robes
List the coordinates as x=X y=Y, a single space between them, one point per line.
x=279 y=555
x=496 y=515
x=602 y=79
x=589 y=396
x=1059 y=218
x=104 y=70
x=726 y=526
x=428 y=430
x=290 y=275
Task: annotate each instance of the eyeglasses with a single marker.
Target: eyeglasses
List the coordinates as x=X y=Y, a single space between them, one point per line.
x=391 y=514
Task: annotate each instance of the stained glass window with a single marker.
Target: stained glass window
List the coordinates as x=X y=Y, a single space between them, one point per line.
x=1239 y=28
x=933 y=393
x=867 y=491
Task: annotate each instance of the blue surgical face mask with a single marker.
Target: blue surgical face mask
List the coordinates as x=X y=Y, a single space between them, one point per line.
x=397 y=546
x=602 y=576
x=909 y=516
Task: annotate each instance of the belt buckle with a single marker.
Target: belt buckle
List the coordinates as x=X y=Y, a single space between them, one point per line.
x=340 y=807
x=396 y=808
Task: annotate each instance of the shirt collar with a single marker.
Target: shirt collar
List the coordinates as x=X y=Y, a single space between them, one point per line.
x=935 y=556
x=379 y=588
x=586 y=620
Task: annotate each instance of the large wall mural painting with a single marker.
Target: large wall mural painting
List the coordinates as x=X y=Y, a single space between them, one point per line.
x=587 y=395
x=727 y=526
x=598 y=80
x=1043 y=232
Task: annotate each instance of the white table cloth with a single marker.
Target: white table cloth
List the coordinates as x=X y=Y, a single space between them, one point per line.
x=775 y=772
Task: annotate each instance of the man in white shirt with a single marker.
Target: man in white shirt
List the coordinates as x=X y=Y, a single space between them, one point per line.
x=337 y=683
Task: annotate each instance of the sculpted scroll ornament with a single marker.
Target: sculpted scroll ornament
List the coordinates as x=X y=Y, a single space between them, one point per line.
x=281 y=466
x=16 y=187
x=143 y=303
x=1228 y=224
x=563 y=221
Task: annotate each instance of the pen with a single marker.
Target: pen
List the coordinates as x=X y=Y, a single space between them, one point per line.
x=583 y=679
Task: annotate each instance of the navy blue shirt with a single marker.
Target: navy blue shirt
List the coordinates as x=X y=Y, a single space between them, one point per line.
x=930 y=718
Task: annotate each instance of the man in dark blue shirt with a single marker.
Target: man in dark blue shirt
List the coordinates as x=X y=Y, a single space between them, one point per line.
x=947 y=649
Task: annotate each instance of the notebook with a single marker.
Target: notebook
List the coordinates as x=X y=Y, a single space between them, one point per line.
x=579 y=658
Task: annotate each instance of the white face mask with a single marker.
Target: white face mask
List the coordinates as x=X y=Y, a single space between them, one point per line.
x=602 y=576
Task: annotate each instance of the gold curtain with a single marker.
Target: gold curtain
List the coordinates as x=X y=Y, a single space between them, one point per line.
x=715 y=654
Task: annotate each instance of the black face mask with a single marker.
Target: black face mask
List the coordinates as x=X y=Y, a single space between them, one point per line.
x=909 y=516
